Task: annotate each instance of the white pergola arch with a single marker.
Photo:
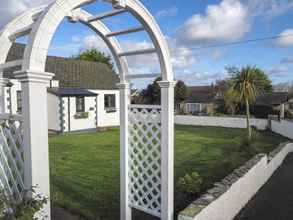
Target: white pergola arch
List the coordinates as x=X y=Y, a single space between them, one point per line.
x=146 y=132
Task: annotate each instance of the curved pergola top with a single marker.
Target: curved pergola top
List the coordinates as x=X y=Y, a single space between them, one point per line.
x=45 y=27
x=41 y=24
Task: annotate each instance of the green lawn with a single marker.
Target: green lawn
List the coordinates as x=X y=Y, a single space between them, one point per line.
x=85 y=167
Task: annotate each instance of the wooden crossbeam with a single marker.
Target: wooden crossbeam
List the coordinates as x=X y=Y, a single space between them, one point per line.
x=11 y=64
x=106 y=15
x=143 y=76
x=21 y=32
x=126 y=31
x=138 y=52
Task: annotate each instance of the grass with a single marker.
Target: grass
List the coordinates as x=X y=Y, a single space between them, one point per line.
x=85 y=167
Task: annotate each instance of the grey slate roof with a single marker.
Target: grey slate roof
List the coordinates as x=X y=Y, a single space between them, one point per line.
x=200 y=94
x=71 y=73
x=70 y=92
x=272 y=99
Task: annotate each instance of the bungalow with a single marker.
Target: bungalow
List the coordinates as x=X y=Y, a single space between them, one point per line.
x=200 y=100
x=82 y=95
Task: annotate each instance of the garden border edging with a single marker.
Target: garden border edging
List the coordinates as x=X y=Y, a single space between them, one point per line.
x=226 y=199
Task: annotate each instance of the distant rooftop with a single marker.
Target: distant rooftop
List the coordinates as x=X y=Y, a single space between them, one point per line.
x=200 y=94
x=275 y=98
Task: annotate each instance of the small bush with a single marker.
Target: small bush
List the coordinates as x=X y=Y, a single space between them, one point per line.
x=190 y=183
x=24 y=210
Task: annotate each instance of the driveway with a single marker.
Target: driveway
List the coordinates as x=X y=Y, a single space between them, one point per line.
x=275 y=200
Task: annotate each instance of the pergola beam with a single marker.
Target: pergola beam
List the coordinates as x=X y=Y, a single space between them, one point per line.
x=126 y=31
x=106 y=15
x=21 y=32
x=143 y=76
x=10 y=64
x=138 y=52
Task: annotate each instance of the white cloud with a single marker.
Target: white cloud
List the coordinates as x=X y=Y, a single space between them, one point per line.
x=269 y=9
x=218 y=54
x=169 y=12
x=93 y=41
x=199 y=78
x=141 y=63
x=287 y=60
x=11 y=8
x=287 y=38
x=279 y=71
x=183 y=58
x=225 y=21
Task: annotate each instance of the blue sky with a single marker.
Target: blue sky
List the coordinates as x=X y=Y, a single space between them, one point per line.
x=198 y=23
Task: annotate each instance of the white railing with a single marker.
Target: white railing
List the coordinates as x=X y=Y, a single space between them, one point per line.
x=11 y=156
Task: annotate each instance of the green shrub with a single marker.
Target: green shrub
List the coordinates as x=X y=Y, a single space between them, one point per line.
x=25 y=210
x=81 y=115
x=190 y=183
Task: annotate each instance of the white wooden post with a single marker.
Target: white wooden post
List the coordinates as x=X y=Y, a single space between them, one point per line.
x=3 y=84
x=125 y=210
x=35 y=128
x=167 y=145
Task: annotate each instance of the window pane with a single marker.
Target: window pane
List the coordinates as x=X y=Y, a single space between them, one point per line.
x=18 y=101
x=110 y=101
x=80 y=104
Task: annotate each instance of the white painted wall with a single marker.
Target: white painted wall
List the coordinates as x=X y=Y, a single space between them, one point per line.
x=106 y=119
x=228 y=205
x=54 y=122
x=283 y=127
x=83 y=123
x=227 y=122
x=16 y=87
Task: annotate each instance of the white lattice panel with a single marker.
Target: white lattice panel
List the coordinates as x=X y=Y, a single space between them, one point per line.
x=145 y=158
x=11 y=159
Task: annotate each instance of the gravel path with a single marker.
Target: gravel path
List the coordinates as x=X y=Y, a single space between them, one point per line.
x=275 y=200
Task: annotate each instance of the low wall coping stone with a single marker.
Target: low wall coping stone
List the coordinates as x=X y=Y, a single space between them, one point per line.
x=224 y=185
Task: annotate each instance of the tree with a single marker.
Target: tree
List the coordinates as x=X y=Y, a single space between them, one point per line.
x=180 y=92
x=245 y=83
x=152 y=94
x=263 y=83
x=231 y=98
x=94 y=55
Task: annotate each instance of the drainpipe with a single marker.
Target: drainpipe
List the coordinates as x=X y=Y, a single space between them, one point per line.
x=68 y=111
x=9 y=85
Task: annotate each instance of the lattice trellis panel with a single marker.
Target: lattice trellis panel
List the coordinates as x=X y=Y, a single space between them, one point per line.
x=11 y=159
x=145 y=158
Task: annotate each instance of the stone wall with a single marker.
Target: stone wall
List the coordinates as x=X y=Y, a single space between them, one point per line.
x=227 y=122
x=229 y=196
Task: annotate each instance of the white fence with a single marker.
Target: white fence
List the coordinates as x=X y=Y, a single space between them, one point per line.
x=11 y=156
x=227 y=122
x=283 y=127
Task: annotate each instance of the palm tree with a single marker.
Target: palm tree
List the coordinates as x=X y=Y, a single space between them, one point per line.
x=245 y=83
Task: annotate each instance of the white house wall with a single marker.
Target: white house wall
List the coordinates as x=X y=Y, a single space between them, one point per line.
x=83 y=123
x=16 y=87
x=54 y=114
x=106 y=119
